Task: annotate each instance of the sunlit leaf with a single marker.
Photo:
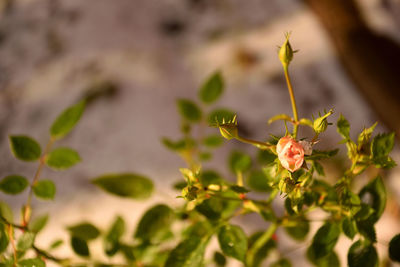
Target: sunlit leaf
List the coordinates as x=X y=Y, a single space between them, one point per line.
x=67 y=120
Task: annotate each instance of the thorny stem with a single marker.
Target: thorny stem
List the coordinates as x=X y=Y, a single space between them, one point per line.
x=26 y=215
x=260 y=145
x=292 y=99
x=12 y=241
x=21 y=227
x=239 y=175
x=260 y=202
x=47 y=255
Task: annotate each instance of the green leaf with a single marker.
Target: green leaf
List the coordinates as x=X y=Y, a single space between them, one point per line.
x=111 y=241
x=38 y=223
x=349 y=227
x=80 y=246
x=189 y=110
x=266 y=157
x=25 y=148
x=36 y=262
x=179 y=145
x=189 y=252
x=62 y=158
x=394 y=248
x=365 y=135
x=374 y=195
x=85 y=231
x=282 y=263
x=208 y=177
x=325 y=240
x=155 y=224
x=343 y=127
x=381 y=146
x=318 y=168
x=219 y=259
x=258 y=181
x=220 y=114
x=299 y=230
x=126 y=185
x=327 y=261
x=205 y=156
x=213 y=140
x=13 y=184
x=67 y=120
x=25 y=242
x=211 y=208
x=3 y=238
x=233 y=241
x=317 y=154
x=367 y=229
x=44 y=189
x=362 y=254
x=239 y=162
x=55 y=244
x=6 y=212
x=212 y=89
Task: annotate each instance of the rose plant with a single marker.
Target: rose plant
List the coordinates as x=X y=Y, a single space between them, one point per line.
x=285 y=167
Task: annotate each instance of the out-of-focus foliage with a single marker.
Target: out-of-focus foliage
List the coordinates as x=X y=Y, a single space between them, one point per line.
x=179 y=235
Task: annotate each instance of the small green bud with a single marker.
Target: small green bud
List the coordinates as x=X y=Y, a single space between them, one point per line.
x=229 y=129
x=286 y=52
x=321 y=123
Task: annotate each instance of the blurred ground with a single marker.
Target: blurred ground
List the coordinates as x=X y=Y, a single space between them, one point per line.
x=151 y=52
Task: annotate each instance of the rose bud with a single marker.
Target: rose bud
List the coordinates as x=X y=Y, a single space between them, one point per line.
x=290 y=153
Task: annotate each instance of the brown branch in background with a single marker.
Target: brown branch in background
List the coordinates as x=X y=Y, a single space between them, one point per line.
x=371 y=60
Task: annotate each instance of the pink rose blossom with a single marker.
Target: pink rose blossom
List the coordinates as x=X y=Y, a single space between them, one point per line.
x=290 y=153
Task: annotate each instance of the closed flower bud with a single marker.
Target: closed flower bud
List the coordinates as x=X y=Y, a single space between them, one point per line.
x=290 y=153
x=286 y=52
x=321 y=123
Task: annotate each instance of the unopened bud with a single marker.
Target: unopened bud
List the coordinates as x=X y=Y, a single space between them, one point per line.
x=321 y=123
x=229 y=129
x=286 y=52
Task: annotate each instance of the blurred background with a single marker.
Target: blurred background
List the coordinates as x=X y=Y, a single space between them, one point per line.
x=136 y=57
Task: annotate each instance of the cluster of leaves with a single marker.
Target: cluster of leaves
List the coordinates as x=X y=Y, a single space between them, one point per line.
x=179 y=236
